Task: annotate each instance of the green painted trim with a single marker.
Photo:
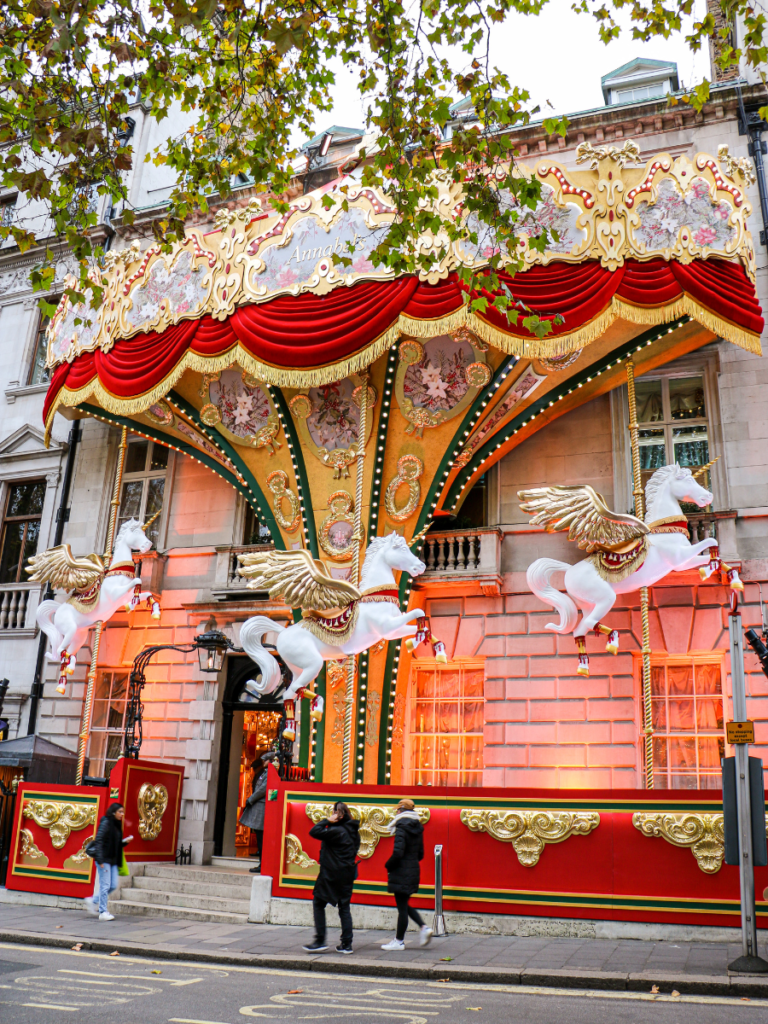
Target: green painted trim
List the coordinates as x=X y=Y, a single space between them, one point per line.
x=500 y=437
x=359 y=723
x=171 y=442
x=62 y=876
x=305 y=730
x=261 y=506
x=297 y=458
x=318 y=731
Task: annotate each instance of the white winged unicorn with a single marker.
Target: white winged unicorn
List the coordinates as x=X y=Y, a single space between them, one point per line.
x=369 y=613
x=625 y=552
x=99 y=590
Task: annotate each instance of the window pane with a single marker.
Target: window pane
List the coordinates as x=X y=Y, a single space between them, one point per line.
x=653 y=452
x=99 y=717
x=447 y=715
x=681 y=715
x=30 y=544
x=680 y=678
x=686 y=398
x=448 y=684
x=473 y=684
x=683 y=781
x=659 y=710
x=38 y=374
x=26 y=499
x=473 y=715
x=159 y=459
x=682 y=753
x=659 y=752
x=649 y=405
x=13 y=540
x=97 y=748
x=114 y=748
x=425 y=684
x=709 y=752
x=424 y=717
x=130 y=503
x=708 y=679
x=691 y=447
x=136 y=457
x=154 y=504
x=658 y=686
x=709 y=713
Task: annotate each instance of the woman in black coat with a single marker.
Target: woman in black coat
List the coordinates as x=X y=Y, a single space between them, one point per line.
x=404 y=873
x=253 y=812
x=108 y=854
x=340 y=840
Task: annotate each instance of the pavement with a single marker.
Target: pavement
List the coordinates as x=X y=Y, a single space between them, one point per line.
x=568 y=963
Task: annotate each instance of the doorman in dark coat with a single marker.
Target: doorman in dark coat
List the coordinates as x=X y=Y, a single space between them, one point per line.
x=340 y=840
x=253 y=812
x=404 y=872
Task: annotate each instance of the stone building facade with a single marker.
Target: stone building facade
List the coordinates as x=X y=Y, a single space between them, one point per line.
x=528 y=719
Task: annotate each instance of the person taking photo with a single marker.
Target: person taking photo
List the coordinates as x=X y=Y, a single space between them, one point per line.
x=339 y=837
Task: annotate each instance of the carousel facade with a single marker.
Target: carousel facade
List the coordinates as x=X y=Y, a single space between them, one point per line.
x=383 y=639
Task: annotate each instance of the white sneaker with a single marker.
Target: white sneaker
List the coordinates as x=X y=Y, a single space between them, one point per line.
x=90 y=906
x=425 y=934
x=396 y=945
x=106 y=916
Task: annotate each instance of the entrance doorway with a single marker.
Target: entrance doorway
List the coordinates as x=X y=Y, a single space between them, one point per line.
x=250 y=726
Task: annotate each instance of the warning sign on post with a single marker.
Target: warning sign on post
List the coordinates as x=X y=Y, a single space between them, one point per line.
x=740 y=732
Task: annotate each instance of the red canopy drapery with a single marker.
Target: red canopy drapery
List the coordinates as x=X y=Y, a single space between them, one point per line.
x=303 y=333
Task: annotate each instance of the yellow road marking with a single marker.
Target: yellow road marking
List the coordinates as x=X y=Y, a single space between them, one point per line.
x=189 y=1020
x=135 y=977
x=52 y=1006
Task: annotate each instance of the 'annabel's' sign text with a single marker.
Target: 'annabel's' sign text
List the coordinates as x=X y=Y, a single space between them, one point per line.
x=340 y=246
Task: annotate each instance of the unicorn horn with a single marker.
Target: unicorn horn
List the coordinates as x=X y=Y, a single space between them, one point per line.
x=703 y=469
x=149 y=522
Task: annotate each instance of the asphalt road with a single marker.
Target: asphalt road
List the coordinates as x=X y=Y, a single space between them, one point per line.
x=44 y=986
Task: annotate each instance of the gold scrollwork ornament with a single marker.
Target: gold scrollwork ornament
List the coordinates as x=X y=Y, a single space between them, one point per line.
x=297 y=859
x=277 y=482
x=301 y=406
x=60 y=819
x=28 y=850
x=337 y=528
x=703 y=834
x=530 y=831
x=374 y=819
x=411 y=352
x=152 y=803
x=477 y=374
x=409 y=469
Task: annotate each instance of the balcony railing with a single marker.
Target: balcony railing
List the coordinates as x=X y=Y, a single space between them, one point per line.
x=464 y=555
x=228 y=580
x=15 y=601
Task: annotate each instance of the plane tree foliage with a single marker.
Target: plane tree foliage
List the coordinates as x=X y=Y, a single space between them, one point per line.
x=251 y=76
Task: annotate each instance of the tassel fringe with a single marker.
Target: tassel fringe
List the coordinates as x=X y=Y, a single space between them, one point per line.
x=532 y=348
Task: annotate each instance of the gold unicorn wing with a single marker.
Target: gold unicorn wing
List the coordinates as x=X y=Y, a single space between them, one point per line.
x=583 y=513
x=298 y=578
x=59 y=567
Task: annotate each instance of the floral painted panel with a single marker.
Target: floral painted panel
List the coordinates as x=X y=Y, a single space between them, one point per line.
x=295 y=262
x=438 y=382
x=661 y=221
x=335 y=419
x=66 y=338
x=180 y=290
x=560 y=219
x=244 y=410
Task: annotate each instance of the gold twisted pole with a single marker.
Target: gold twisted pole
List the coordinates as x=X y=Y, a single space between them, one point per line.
x=634 y=434
x=357 y=536
x=85 y=727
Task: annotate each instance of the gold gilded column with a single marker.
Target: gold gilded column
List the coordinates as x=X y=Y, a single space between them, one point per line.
x=640 y=513
x=85 y=726
x=357 y=536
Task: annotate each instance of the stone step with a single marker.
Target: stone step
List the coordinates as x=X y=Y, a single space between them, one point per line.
x=234 y=863
x=192 y=887
x=180 y=899
x=213 y=875
x=186 y=913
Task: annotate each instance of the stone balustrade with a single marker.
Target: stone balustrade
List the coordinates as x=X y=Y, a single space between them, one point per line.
x=455 y=555
x=227 y=578
x=14 y=605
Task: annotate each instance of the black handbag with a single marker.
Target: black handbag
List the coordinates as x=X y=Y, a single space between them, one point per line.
x=90 y=849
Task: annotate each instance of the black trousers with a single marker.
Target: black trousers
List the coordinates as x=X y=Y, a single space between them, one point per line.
x=345 y=916
x=404 y=911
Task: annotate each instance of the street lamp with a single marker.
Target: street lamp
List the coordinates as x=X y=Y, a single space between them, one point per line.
x=211 y=648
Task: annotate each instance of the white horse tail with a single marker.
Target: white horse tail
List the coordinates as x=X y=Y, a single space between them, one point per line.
x=251 y=632
x=538 y=576
x=44 y=615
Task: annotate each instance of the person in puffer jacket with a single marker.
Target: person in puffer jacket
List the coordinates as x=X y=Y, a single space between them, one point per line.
x=404 y=873
x=108 y=855
x=340 y=839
